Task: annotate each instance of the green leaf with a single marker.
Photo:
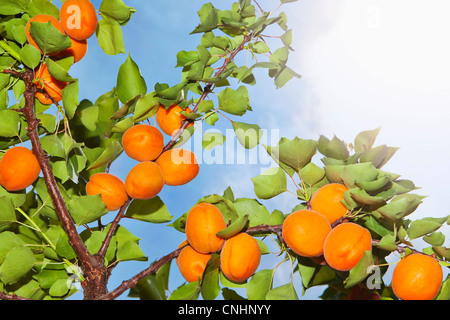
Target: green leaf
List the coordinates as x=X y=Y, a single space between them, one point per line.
x=70 y=98
x=210 y=287
x=10 y=123
x=42 y=7
x=259 y=285
x=130 y=82
x=234 y=228
x=235 y=102
x=248 y=135
x=212 y=139
x=7 y=211
x=153 y=287
x=378 y=156
x=13 y=7
x=189 y=291
x=130 y=251
x=270 y=183
x=53 y=146
x=419 y=228
x=400 y=206
x=257 y=213
x=116 y=10
x=17 y=263
x=112 y=151
x=146 y=107
x=48 y=38
x=295 y=153
x=387 y=243
x=208 y=18
x=152 y=210
x=312 y=174
x=335 y=148
x=284 y=292
x=30 y=56
x=354 y=174
x=86 y=209
x=365 y=140
x=58 y=71
x=435 y=239
x=186 y=58
x=285 y=76
x=359 y=272
x=109 y=36
x=444 y=293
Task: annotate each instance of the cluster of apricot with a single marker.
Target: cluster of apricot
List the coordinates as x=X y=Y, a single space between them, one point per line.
x=78 y=20
x=145 y=143
x=240 y=254
x=310 y=233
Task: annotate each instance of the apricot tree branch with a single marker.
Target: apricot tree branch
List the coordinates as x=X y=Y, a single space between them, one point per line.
x=88 y=263
x=101 y=253
x=131 y=283
x=207 y=90
x=5 y=296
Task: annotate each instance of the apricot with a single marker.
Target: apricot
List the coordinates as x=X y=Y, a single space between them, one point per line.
x=78 y=18
x=191 y=263
x=111 y=189
x=42 y=18
x=169 y=120
x=240 y=257
x=144 y=181
x=203 y=221
x=143 y=142
x=179 y=166
x=53 y=87
x=305 y=231
x=345 y=245
x=19 y=168
x=77 y=50
x=417 y=277
x=327 y=201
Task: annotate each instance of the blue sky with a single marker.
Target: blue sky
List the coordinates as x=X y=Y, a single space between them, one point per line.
x=365 y=64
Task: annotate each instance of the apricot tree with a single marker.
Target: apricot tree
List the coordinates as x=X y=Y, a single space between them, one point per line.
x=51 y=228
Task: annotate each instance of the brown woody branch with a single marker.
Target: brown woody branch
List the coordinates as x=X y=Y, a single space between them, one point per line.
x=91 y=267
x=5 y=296
x=114 y=224
x=207 y=90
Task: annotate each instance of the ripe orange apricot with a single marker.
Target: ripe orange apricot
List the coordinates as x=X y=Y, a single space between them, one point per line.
x=327 y=201
x=42 y=18
x=179 y=166
x=240 y=257
x=191 y=263
x=52 y=86
x=143 y=142
x=305 y=231
x=203 y=221
x=78 y=18
x=19 y=168
x=144 y=181
x=77 y=50
x=111 y=189
x=417 y=277
x=169 y=120
x=345 y=245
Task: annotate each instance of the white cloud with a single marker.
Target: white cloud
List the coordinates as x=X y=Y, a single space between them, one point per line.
x=367 y=64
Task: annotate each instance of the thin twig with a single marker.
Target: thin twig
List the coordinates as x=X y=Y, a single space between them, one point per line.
x=101 y=253
x=207 y=90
